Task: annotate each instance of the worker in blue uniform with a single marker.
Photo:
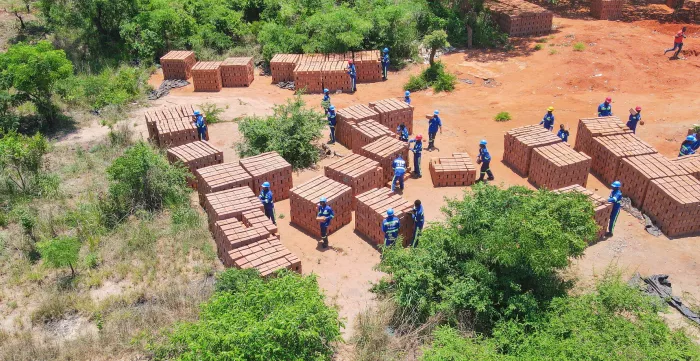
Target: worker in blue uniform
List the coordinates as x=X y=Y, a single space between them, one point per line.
x=484 y=158
x=353 y=75
x=331 y=123
x=407 y=97
x=326 y=213
x=385 y=63
x=418 y=221
x=616 y=199
x=201 y=125
x=402 y=131
x=326 y=102
x=696 y=144
x=563 y=134
x=548 y=119
x=687 y=146
x=417 y=153
x=390 y=227
x=635 y=119
x=399 y=166
x=605 y=109
x=434 y=124
x=267 y=201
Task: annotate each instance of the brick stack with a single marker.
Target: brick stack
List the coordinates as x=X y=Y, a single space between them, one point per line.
x=309 y=76
x=384 y=150
x=303 y=204
x=195 y=155
x=368 y=65
x=176 y=112
x=230 y=203
x=371 y=212
x=177 y=64
x=175 y=132
x=339 y=56
x=231 y=233
x=367 y=132
x=221 y=177
x=589 y=128
x=358 y=172
x=270 y=167
x=267 y=256
x=335 y=76
x=237 y=72
x=689 y=163
x=206 y=76
x=601 y=208
x=282 y=67
x=257 y=217
x=394 y=112
x=519 y=143
x=312 y=58
x=636 y=172
x=673 y=204
x=347 y=118
x=521 y=18
x=606 y=9
x=457 y=170
x=609 y=152
x=556 y=166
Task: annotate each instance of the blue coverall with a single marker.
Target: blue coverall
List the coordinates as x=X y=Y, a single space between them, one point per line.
x=604 y=110
x=407 y=100
x=696 y=145
x=403 y=133
x=331 y=124
x=326 y=98
x=563 y=135
x=385 y=65
x=325 y=211
x=399 y=166
x=390 y=227
x=485 y=158
x=633 y=120
x=615 y=198
x=268 y=204
x=418 y=220
x=434 y=125
x=548 y=121
x=353 y=76
x=201 y=126
x=417 y=153
x=686 y=148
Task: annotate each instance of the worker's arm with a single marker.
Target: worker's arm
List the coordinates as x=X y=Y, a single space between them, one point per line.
x=384 y=227
x=331 y=214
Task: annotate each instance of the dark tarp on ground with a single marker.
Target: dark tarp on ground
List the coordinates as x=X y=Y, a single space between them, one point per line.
x=660 y=286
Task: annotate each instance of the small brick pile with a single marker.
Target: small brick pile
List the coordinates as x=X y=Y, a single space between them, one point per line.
x=673 y=204
x=195 y=155
x=309 y=76
x=394 y=112
x=230 y=203
x=221 y=177
x=689 y=163
x=335 y=77
x=347 y=118
x=303 y=204
x=267 y=256
x=519 y=143
x=232 y=233
x=601 y=207
x=237 y=72
x=457 y=170
x=371 y=212
x=589 y=128
x=520 y=18
x=358 y=172
x=609 y=152
x=270 y=167
x=167 y=113
x=368 y=65
x=206 y=76
x=384 y=150
x=175 y=132
x=556 y=166
x=606 y=9
x=282 y=67
x=367 y=132
x=177 y=64
x=636 y=172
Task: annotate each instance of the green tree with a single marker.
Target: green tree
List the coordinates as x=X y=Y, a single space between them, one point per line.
x=434 y=41
x=60 y=252
x=21 y=161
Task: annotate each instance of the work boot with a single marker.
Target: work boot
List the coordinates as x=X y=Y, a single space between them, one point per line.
x=325 y=242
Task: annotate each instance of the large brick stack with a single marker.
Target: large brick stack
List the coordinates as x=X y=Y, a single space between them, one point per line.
x=232 y=233
x=349 y=117
x=267 y=256
x=636 y=172
x=457 y=170
x=339 y=57
x=335 y=76
x=519 y=143
x=673 y=204
x=270 y=167
x=394 y=112
x=309 y=76
x=367 y=132
x=230 y=203
x=177 y=64
x=358 y=172
x=333 y=69
x=206 y=76
x=609 y=152
x=606 y=9
x=175 y=132
x=689 y=163
x=371 y=212
x=195 y=155
x=221 y=177
x=282 y=67
x=589 y=128
x=167 y=113
x=384 y=150
x=237 y=72
x=521 y=18
x=601 y=207
x=556 y=166
x=303 y=204
x=368 y=66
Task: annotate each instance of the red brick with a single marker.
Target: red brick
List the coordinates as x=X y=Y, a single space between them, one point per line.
x=303 y=203
x=384 y=150
x=358 y=172
x=607 y=9
x=221 y=177
x=519 y=143
x=237 y=72
x=230 y=203
x=556 y=166
x=520 y=18
x=206 y=76
x=270 y=167
x=367 y=132
x=394 y=112
x=371 y=212
x=177 y=64
x=167 y=113
x=195 y=155
x=635 y=173
x=457 y=170
x=282 y=67
x=610 y=151
x=589 y=128
x=673 y=203
x=347 y=118
x=689 y=163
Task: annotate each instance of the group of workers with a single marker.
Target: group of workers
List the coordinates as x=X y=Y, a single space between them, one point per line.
x=352 y=71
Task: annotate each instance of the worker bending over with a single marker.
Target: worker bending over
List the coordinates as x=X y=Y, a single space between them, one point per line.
x=687 y=146
x=563 y=134
x=399 y=166
x=402 y=131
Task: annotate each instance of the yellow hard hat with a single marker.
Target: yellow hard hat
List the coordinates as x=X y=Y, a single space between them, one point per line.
x=550 y=109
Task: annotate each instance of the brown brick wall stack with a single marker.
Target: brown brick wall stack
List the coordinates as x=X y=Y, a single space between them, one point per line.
x=347 y=117
x=177 y=64
x=673 y=203
x=457 y=170
x=610 y=150
x=176 y=112
x=237 y=72
x=521 y=18
x=309 y=76
x=601 y=207
x=358 y=172
x=368 y=66
x=230 y=203
x=230 y=234
x=339 y=57
x=195 y=155
x=267 y=256
x=519 y=143
x=636 y=172
x=589 y=128
x=303 y=203
x=206 y=76
x=270 y=167
x=175 y=132
x=367 y=132
x=394 y=112
x=282 y=67
x=384 y=150
x=606 y=9
x=221 y=177
x=335 y=76
x=371 y=212
x=556 y=166
x=689 y=163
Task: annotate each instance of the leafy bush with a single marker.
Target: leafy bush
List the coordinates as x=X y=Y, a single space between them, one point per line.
x=60 y=252
x=21 y=162
x=212 y=112
x=435 y=41
x=435 y=76
x=292 y=131
x=445 y=82
x=579 y=46
x=250 y=318
x=486 y=32
x=115 y=87
x=502 y=117
x=538 y=47
x=552 y=51
x=415 y=83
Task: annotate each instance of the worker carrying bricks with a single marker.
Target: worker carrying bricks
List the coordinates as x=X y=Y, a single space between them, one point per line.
x=677 y=43
x=399 y=166
x=201 y=125
x=548 y=120
x=563 y=134
x=687 y=146
x=324 y=216
x=326 y=102
x=634 y=119
x=267 y=201
x=434 y=124
x=605 y=109
x=417 y=153
x=385 y=64
x=331 y=123
x=418 y=221
x=484 y=158
x=407 y=97
x=615 y=198
x=390 y=227
x=402 y=131
x=353 y=75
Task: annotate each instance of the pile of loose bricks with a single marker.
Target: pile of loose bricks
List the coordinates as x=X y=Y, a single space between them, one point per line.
x=171 y=126
x=606 y=9
x=601 y=207
x=457 y=170
x=208 y=76
x=520 y=18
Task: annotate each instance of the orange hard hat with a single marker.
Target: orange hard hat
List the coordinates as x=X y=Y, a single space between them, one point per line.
x=638 y=108
x=419 y=137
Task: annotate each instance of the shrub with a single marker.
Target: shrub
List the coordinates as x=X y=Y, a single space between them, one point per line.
x=552 y=51
x=60 y=252
x=435 y=76
x=579 y=46
x=415 y=83
x=21 y=159
x=212 y=112
x=434 y=41
x=111 y=87
x=445 y=82
x=538 y=47
x=502 y=117
x=486 y=32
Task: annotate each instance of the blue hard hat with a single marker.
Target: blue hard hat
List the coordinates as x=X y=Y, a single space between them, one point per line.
x=323 y=199
x=325 y=90
x=332 y=107
x=691 y=138
x=407 y=93
x=390 y=212
x=196 y=112
x=482 y=142
x=616 y=184
x=266 y=184
x=386 y=50
x=436 y=112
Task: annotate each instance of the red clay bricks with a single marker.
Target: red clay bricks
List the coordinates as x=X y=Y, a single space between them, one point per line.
x=367 y=132
x=384 y=150
x=206 y=76
x=589 y=128
x=282 y=67
x=267 y=256
x=519 y=143
x=220 y=177
x=195 y=155
x=175 y=132
x=371 y=212
x=230 y=203
x=309 y=76
x=636 y=172
x=610 y=150
x=177 y=64
x=167 y=113
x=347 y=117
x=303 y=203
x=521 y=18
x=231 y=233
x=335 y=76
x=331 y=72
x=270 y=167
x=601 y=207
x=368 y=66
x=358 y=172
x=457 y=170
x=689 y=163
x=394 y=112
x=673 y=203
x=606 y=9
x=556 y=166
x=237 y=72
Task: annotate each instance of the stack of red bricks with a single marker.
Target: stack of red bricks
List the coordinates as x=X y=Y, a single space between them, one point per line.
x=519 y=143
x=609 y=152
x=394 y=112
x=349 y=117
x=339 y=57
x=556 y=166
x=371 y=212
x=335 y=77
x=521 y=18
x=331 y=72
x=589 y=128
x=195 y=155
x=175 y=132
x=237 y=72
x=367 y=132
x=457 y=170
x=368 y=66
x=270 y=167
x=177 y=64
x=233 y=233
x=606 y=9
x=384 y=150
x=230 y=203
x=180 y=112
x=266 y=256
x=308 y=75
x=689 y=163
x=673 y=203
x=303 y=204
x=358 y=172
x=282 y=67
x=206 y=76
x=637 y=172
x=221 y=177
x=601 y=207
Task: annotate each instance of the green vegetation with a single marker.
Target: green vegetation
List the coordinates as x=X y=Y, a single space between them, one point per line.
x=502 y=117
x=435 y=41
x=21 y=163
x=434 y=76
x=60 y=252
x=538 y=47
x=212 y=113
x=110 y=87
x=552 y=51
x=579 y=46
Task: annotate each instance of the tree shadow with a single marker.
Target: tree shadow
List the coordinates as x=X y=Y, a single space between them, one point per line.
x=517 y=47
x=59 y=128
x=634 y=10
x=32 y=32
